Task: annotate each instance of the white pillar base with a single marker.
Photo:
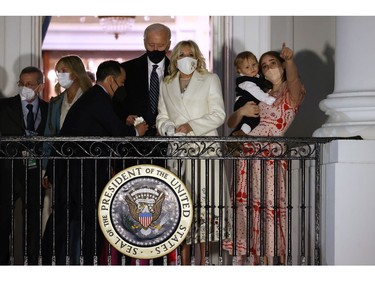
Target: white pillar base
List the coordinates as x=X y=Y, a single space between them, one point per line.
x=348 y=225
x=349 y=114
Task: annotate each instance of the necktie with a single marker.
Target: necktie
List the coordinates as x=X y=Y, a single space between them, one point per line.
x=30 y=118
x=154 y=89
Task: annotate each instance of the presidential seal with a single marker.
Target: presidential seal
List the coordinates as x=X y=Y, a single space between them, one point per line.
x=145 y=211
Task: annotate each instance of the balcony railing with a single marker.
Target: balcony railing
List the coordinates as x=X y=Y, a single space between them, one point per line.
x=224 y=217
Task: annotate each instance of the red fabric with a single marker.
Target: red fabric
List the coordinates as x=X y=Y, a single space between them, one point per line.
x=103 y=260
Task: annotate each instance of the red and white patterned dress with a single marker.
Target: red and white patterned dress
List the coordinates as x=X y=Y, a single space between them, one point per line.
x=274 y=121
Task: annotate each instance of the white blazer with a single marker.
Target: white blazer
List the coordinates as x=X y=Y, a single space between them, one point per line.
x=201 y=105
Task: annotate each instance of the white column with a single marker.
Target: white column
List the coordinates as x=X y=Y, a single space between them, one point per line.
x=348 y=225
x=21 y=41
x=351 y=107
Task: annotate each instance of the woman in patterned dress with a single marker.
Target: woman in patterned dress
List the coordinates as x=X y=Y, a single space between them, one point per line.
x=281 y=71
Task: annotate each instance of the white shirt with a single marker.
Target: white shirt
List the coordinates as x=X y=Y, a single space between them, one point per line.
x=159 y=70
x=65 y=106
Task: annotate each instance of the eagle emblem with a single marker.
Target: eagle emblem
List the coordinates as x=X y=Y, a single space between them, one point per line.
x=145 y=205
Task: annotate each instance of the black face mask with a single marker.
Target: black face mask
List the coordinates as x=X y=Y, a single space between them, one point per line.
x=120 y=92
x=156 y=56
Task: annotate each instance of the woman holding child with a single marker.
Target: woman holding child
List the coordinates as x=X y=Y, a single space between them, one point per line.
x=281 y=71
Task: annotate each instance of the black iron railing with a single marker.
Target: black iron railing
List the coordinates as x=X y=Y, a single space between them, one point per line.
x=212 y=168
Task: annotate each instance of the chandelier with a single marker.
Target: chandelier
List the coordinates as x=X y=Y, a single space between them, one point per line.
x=116 y=24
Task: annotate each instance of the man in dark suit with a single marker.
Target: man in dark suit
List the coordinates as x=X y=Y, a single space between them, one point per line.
x=136 y=101
x=17 y=120
x=91 y=115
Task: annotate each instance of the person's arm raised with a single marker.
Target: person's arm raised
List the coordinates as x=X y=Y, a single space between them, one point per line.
x=292 y=77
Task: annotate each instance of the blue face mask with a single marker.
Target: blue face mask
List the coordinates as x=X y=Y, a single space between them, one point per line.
x=156 y=56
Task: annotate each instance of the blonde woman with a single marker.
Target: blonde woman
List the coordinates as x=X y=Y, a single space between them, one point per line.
x=72 y=81
x=191 y=104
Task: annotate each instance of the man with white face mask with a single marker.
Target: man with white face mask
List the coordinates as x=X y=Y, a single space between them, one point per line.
x=16 y=119
x=30 y=84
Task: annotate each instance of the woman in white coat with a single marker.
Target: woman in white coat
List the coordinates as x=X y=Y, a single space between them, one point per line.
x=191 y=104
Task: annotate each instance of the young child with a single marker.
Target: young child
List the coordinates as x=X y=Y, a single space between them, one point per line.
x=249 y=87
